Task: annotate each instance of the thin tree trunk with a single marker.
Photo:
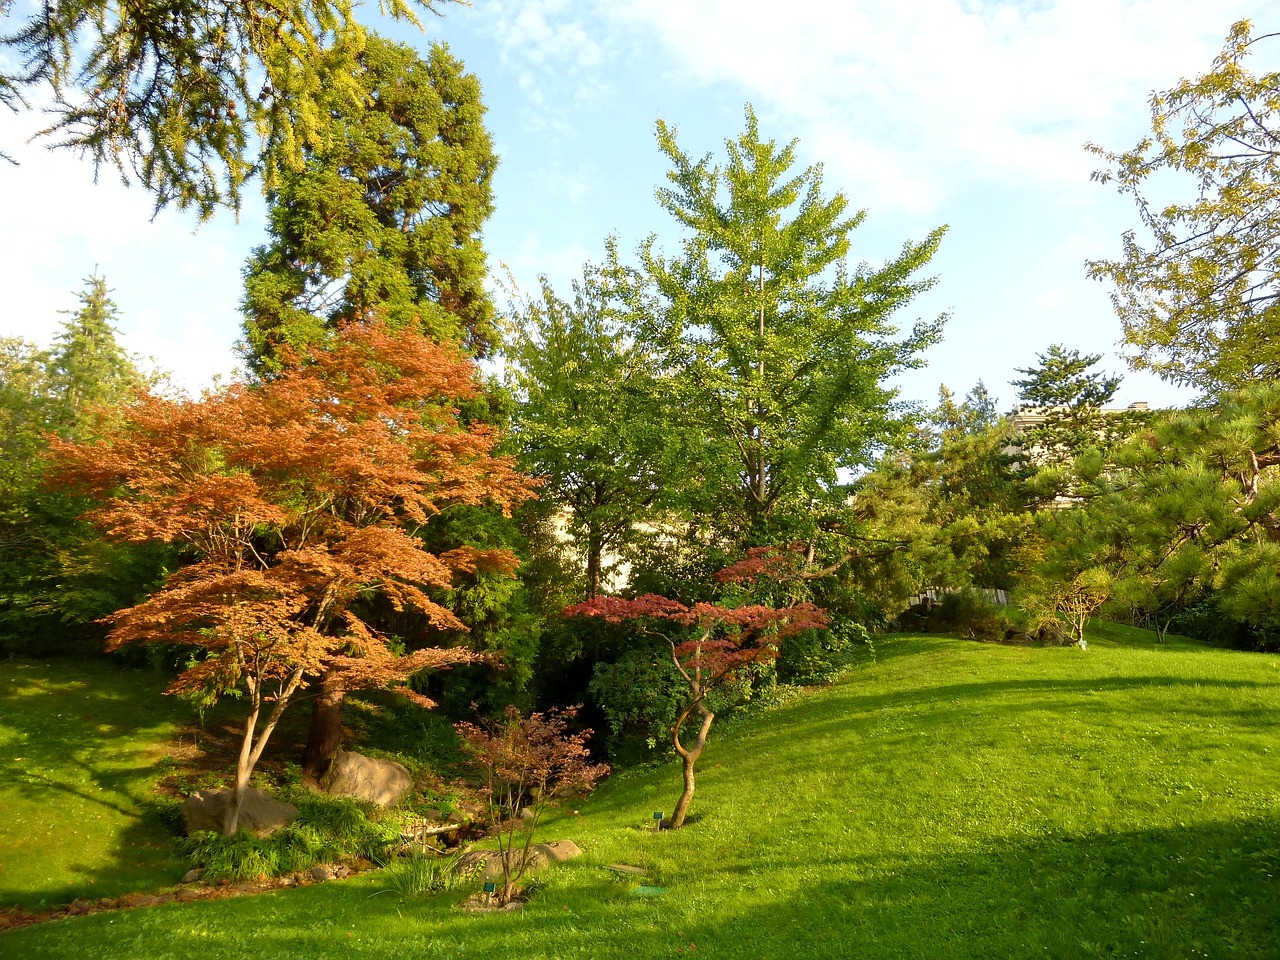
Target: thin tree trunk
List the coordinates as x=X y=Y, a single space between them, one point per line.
x=244 y=767
x=251 y=748
x=689 y=758
x=324 y=737
x=595 y=550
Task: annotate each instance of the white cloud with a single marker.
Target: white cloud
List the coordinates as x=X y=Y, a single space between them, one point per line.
x=937 y=91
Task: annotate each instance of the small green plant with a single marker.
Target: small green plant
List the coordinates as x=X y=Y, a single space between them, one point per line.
x=425 y=874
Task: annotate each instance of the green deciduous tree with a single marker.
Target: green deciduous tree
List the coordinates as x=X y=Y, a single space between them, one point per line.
x=386 y=210
x=1199 y=296
x=592 y=420
x=190 y=97
x=780 y=352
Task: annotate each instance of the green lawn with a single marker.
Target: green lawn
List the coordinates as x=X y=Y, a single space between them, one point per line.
x=951 y=799
x=79 y=747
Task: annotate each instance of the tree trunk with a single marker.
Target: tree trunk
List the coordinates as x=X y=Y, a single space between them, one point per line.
x=689 y=758
x=324 y=738
x=595 y=551
x=244 y=767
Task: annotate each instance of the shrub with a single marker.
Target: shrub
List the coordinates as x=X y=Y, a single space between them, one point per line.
x=526 y=762
x=970 y=613
x=818 y=656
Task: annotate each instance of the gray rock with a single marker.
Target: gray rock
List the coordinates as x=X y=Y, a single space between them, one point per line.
x=191 y=876
x=261 y=814
x=383 y=782
x=541 y=855
x=558 y=851
x=186 y=894
x=321 y=873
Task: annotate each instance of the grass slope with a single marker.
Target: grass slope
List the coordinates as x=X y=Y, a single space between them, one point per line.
x=79 y=744
x=948 y=800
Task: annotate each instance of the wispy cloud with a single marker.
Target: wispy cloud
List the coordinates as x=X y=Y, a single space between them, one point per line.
x=919 y=95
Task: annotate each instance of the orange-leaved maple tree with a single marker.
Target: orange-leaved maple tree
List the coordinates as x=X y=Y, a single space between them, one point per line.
x=294 y=502
x=712 y=647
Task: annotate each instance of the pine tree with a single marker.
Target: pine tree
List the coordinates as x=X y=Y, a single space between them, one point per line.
x=87 y=368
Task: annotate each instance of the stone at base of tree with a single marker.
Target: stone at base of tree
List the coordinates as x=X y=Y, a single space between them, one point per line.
x=540 y=856
x=261 y=814
x=191 y=876
x=560 y=850
x=383 y=782
x=321 y=874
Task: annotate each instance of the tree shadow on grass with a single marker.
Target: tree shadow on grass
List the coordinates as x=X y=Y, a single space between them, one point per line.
x=1207 y=890
x=80 y=743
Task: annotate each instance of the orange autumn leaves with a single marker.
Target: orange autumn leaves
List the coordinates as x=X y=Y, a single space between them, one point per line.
x=293 y=498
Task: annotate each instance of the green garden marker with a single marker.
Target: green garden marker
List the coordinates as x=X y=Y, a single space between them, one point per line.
x=490 y=886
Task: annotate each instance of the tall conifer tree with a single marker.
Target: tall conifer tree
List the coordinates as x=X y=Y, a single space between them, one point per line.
x=386 y=213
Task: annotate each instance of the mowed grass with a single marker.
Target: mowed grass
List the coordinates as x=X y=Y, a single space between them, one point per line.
x=950 y=799
x=79 y=748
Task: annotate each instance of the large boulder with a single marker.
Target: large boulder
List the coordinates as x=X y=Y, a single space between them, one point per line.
x=488 y=863
x=260 y=814
x=383 y=782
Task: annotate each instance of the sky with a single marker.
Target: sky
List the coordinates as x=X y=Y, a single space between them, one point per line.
x=970 y=113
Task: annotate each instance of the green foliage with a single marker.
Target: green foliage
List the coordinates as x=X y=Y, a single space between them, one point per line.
x=1066 y=403
x=779 y=352
x=386 y=210
x=423 y=874
x=593 y=419
x=57 y=576
x=640 y=695
x=326 y=830
x=948 y=510
x=1190 y=507
x=820 y=656
x=1199 y=299
x=190 y=98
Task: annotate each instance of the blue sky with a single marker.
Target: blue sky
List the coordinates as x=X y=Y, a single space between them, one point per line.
x=971 y=113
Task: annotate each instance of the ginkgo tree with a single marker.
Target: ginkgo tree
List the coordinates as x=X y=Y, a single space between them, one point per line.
x=293 y=501
x=779 y=352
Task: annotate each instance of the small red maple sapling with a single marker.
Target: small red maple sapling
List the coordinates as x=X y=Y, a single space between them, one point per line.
x=526 y=762
x=711 y=646
x=291 y=499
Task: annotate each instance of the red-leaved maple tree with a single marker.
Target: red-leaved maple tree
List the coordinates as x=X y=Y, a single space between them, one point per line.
x=711 y=646
x=290 y=500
